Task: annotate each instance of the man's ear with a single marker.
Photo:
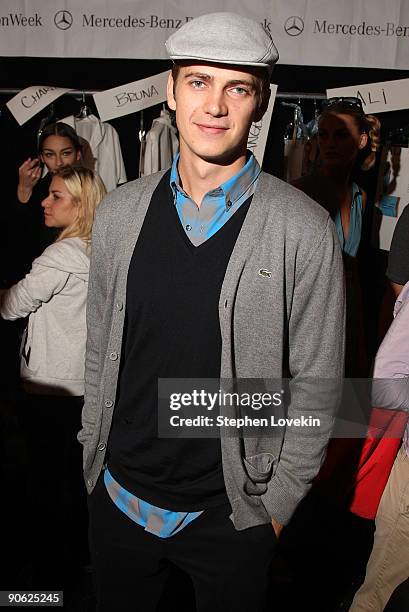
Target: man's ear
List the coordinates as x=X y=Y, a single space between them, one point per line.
x=262 y=106
x=170 y=95
x=363 y=141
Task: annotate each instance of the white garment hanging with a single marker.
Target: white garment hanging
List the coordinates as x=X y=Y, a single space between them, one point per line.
x=104 y=150
x=161 y=145
x=294 y=142
x=293 y=159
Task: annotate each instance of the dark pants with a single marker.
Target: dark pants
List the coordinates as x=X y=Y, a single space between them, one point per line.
x=57 y=509
x=229 y=568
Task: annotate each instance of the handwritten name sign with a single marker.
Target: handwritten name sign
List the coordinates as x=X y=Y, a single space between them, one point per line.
x=131 y=98
x=32 y=100
x=257 y=139
x=377 y=97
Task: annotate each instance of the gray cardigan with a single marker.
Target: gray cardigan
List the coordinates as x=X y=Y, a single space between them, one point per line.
x=294 y=315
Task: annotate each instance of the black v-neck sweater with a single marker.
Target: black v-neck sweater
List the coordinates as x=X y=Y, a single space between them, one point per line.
x=171 y=331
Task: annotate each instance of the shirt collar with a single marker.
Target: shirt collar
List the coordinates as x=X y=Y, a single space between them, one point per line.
x=231 y=190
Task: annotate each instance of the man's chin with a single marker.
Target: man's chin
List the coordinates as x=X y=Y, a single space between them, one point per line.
x=221 y=158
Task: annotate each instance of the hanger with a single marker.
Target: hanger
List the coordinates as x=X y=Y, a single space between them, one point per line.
x=142 y=140
x=296 y=129
x=165 y=112
x=142 y=132
x=84 y=110
x=316 y=111
x=312 y=126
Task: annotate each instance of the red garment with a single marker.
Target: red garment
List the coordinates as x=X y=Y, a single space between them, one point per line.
x=377 y=456
x=355 y=471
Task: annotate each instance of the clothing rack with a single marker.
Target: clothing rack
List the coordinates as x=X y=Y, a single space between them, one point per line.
x=79 y=92
x=288 y=95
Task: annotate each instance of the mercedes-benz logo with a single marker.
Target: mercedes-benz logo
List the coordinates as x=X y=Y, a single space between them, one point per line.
x=63 y=20
x=294 y=26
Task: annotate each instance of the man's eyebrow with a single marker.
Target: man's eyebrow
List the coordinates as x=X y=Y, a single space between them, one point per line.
x=242 y=82
x=200 y=75
x=207 y=77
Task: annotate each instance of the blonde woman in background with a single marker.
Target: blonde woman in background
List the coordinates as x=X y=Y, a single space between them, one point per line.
x=53 y=297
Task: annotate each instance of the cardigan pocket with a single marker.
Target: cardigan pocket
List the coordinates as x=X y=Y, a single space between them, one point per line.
x=259 y=470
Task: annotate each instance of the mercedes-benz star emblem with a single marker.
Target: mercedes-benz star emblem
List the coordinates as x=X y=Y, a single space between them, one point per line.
x=294 y=26
x=63 y=20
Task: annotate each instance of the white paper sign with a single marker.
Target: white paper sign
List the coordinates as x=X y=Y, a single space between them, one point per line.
x=259 y=131
x=32 y=100
x=377 y=97
x=132 y=97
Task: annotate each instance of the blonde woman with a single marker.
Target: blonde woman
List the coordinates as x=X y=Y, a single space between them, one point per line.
x=53 y=297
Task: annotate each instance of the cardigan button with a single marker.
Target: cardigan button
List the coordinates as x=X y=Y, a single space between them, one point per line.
x=108 y=403
x=90 y=483
x=113 y=356
x=102 y=446
x=119 y=306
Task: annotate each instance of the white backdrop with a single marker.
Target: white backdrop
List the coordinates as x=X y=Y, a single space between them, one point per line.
x=367 y=33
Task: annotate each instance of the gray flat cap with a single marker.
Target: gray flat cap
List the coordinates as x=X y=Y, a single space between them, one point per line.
x=225 y=38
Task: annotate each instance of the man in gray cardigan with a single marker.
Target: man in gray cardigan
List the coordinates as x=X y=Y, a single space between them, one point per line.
x=212 y=270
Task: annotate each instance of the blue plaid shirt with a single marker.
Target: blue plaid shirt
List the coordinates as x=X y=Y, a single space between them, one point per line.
x=158 y=521
x=200 y=224
x=218 y=205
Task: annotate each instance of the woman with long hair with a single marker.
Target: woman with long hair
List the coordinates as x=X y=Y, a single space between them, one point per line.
x=58 y=146
x=347 y=140
x=53 y=297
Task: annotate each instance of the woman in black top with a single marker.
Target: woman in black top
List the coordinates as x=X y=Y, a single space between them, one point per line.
x=59 y=146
